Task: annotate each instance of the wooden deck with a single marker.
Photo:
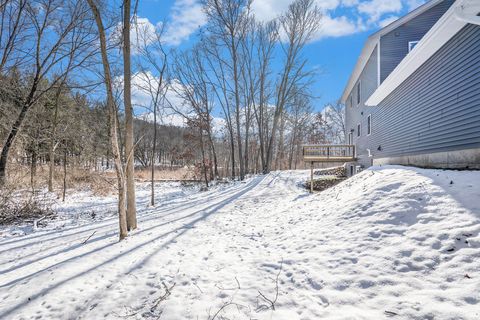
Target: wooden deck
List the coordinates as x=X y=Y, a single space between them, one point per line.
x=329 y=153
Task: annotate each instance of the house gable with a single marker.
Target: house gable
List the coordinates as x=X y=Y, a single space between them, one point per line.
x=395 y=44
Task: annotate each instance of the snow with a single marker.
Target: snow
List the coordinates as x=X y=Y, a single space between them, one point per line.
x=391 y=241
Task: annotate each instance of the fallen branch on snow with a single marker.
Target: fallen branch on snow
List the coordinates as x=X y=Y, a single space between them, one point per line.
x=168 y=292
x=85 y=241
x=271 y=302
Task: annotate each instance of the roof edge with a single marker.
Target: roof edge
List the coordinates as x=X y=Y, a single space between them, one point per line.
x=441 y=32
x=371 y=43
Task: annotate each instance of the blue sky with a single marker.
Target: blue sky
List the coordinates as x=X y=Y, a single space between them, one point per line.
x=345 y=27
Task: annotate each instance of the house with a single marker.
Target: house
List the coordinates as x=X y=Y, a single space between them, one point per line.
x=413 y=97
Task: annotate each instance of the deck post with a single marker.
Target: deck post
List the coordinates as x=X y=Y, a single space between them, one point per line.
x=311 y=177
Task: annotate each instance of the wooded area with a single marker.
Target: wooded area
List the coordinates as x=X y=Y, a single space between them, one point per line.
x=69 y=69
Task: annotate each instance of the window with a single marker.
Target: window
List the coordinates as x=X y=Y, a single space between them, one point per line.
x=350 y=138
x=358 y=130
x=411 y=45
x=351 y=100
x=358 y=93
x=369 y=124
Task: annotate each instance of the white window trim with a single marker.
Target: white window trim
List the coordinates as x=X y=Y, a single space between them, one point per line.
x=414 y=43
x=369 y=124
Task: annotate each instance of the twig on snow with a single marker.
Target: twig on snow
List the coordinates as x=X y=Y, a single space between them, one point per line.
x=271 y=302
x=127 y=314
x=196 y=285
x=168 y=292
x=89 y=237
x=225 y=305
x=226 y=289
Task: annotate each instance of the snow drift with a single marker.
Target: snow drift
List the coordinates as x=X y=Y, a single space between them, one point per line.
x=389 y=242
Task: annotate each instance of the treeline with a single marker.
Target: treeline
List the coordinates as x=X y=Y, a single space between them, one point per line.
x=69 y=69
x=255 y=74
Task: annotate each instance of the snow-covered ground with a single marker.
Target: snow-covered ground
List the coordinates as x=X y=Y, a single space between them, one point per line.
x=390 y=242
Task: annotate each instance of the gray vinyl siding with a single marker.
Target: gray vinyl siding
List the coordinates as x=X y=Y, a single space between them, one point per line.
x=354 y=116
x=394 y=45
x=437 y=108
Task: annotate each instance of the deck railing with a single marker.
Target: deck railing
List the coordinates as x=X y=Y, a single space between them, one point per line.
x=329 y=153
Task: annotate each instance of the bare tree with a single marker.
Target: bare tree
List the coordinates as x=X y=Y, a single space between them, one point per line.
x=127 y=101
x=153 y=56
x=300 y=113
x=335 y=118
x=58 y=35
x=266 y=38
x=13 y=22
x=193 y=88
x=218 y=79
x=228 y=24
x=119 y=168
x=298 y=25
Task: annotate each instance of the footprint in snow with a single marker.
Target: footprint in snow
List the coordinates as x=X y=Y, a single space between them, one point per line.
x=315 y=285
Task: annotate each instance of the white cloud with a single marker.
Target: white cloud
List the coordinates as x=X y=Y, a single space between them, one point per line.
x=269 y=9
x=142 y=98
x=186 y=17
x=375 y=9
x=385 y=22
x=265 y=10
x=336 y=27
x=351 y=16
x=142 y=32
x=350 y=3
x=328 y=4
x=413 y=4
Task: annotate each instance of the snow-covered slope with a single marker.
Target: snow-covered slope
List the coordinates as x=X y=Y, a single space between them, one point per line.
x=390 y=242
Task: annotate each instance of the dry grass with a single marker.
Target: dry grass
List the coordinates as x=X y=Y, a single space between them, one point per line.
x=182 y=173
x=20 y=201
x=99 y=182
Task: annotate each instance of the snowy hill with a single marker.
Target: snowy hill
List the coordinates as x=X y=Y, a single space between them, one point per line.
x=392 y=241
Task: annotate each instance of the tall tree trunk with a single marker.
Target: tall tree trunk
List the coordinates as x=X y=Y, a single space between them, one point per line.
x=246 y=159
x=152 y=196
x=127 y=100
x=202 y=149
x=51 y=151
x=122 y=214
x=281 y=145
x=33 y=167
x=232 y=150
x=237 y=108
x=292 y=147
x=214 y=152
x=64 y=174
